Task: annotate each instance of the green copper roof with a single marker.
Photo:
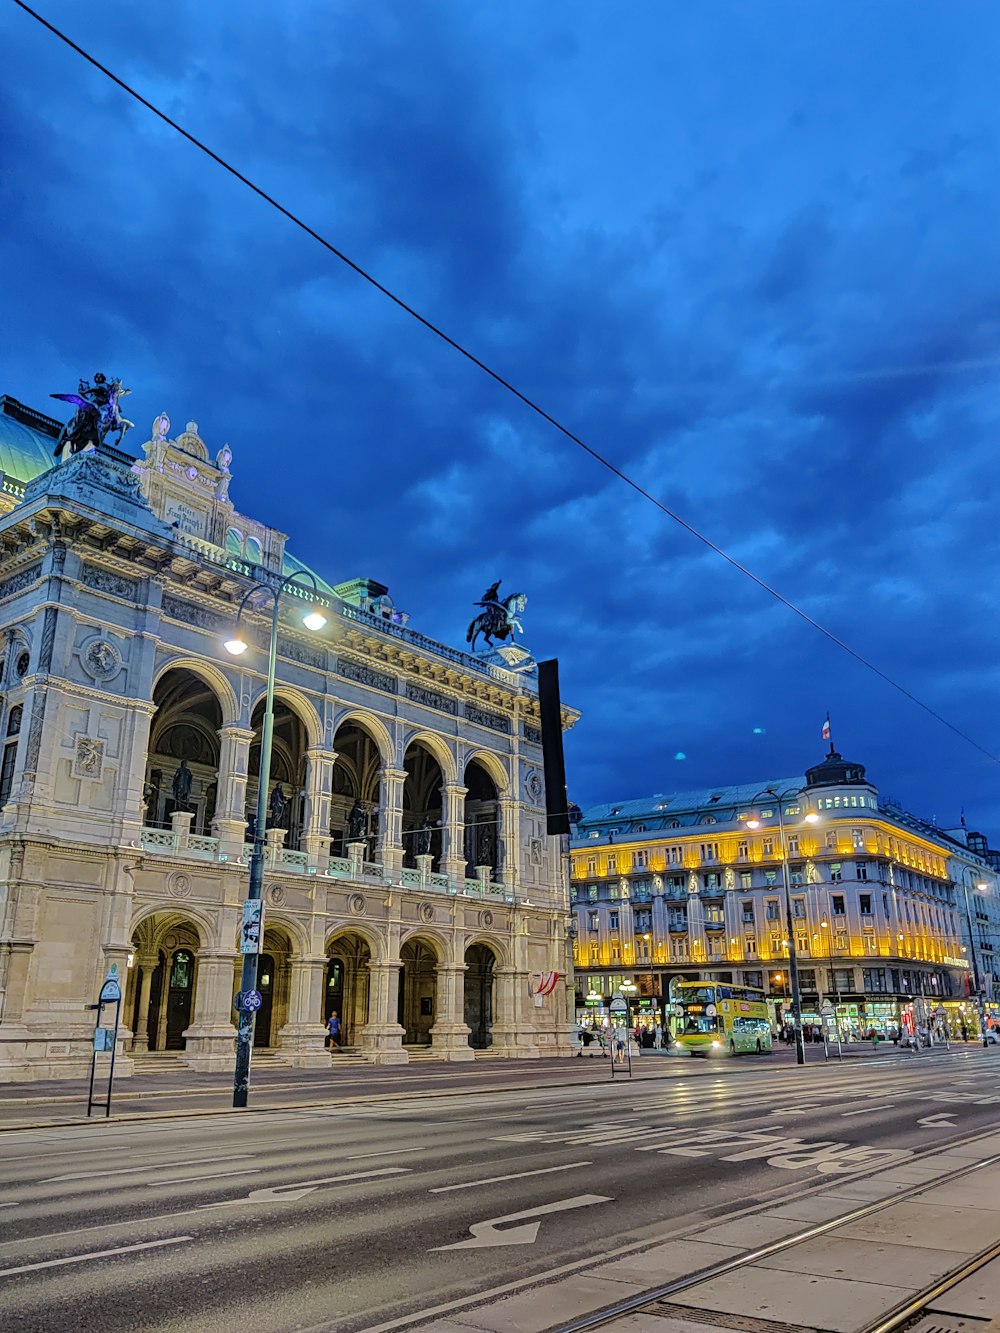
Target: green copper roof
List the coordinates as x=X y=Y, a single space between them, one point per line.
x=27 y=439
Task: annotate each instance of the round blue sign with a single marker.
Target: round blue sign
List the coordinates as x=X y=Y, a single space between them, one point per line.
x=251 y=1000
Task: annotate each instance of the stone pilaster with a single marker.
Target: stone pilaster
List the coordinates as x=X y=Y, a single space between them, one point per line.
x=450 y=1033
x=510 y=833
x=229 y=824
x=316 y=826
x=381 y=1038
x=391 y=848
x=210 y=1040
x=302 y=1038
x=147 y=966
x=453 y=848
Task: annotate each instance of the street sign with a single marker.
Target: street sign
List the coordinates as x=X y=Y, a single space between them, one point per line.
x=826 y=1007
x=253 y=925
x=618 y=1005
x=251 y=1000
x=111 y=990
x=104 y=1039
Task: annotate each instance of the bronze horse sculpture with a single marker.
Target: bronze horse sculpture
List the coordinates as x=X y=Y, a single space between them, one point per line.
x=97 y=415
x=497 y=620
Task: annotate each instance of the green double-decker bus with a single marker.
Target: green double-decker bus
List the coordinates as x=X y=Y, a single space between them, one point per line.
x=714 y=1018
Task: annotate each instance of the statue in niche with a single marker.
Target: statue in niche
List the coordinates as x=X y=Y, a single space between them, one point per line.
x=181 y=786
x=356 y=823
x=487 y=839
x=423 y=838
x=277 y=806
x=97 y=415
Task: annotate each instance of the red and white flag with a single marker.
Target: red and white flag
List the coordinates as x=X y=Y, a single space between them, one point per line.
x=826 y=728
x=547 y=982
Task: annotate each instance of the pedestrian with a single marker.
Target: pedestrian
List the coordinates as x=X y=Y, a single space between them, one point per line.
x=874 y=1037
x=619 y=1046
x=965 y=1032
x=658 y=1038
x=333 y=1031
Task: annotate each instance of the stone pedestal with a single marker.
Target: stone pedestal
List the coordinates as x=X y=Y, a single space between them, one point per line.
x=356 y=856
x=275 y=845
x=180 y=824
x=425 y=864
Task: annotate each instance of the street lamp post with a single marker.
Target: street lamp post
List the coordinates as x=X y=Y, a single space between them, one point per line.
x=313 y=619
x=981 y=885
x=793 y=962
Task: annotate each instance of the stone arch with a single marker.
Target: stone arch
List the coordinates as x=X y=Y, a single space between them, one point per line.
x=494 y=766
x=424 y=807
x=205 y=926
x=499 y=947
x=439 y=748
x=481 y=819
x=357 y=777
x=297 y=702
x=376 y=728
x=183 y=753
x=350 y=951
x=211 y=675
x=370 y=936
x=420 y=955
x=479 y=999
x=437 y=939
x=160 y=996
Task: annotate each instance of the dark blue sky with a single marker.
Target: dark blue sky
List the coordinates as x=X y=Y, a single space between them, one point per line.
x=750 y=252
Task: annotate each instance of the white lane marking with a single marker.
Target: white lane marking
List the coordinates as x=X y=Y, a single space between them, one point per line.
x=867 y=1110
x=486 y=1233
x=217 y=1175
x=142 y=1170
x=389 y=1152
x=943 y=1120
x=796 y=1110
x=520 y=1175
x=8 y=1205
x=94 y=1254
x=289 y=1193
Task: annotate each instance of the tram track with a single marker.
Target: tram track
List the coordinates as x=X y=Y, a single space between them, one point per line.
x=661 y=1300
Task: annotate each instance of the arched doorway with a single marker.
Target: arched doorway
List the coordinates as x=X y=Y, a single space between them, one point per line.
x=482 y=815
x=480 y=962
x=422 y=806
x=357 y=776
x=285 y=790
x=417 y=1004
x=182 y=762
x=347 y=978
x=161 y=1001
x=274 y=984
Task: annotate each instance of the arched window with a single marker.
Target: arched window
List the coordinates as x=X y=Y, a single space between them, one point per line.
x=253 y=551
x=10 y=753
x=234 y=542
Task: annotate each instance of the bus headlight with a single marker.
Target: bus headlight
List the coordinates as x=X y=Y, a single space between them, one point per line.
x=678 y=1046
x=716 y=1045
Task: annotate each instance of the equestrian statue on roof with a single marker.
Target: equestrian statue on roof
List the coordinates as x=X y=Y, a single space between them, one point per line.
x=498 y=618
x=97 y=415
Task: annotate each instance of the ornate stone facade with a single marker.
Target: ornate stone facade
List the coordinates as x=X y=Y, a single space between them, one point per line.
x=130 y=756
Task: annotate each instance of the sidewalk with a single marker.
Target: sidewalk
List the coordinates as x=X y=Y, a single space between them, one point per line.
x=842 y=1280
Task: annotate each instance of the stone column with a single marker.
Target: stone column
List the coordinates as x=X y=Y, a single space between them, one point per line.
x=301 y=1039
x=229 y=824
x=147 y=963
x=316 y=826
x=505 y=1024
x=450 y=1033
x=391 y=845
x=453 y=849
x=381 y=1038
x=210 y=1040
x=510 y=832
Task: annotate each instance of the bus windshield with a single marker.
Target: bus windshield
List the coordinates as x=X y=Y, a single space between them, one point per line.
x=697 y=995
x=701 y=1023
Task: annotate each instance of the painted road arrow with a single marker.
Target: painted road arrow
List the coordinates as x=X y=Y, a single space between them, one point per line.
x=486 y=1233
x=943 y=1120
x=289 y=1193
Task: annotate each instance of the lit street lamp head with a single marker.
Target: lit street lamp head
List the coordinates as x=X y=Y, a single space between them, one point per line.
x=314 y=619
x=236 y=646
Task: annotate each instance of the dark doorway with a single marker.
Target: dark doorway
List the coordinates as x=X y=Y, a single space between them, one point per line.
x=179 y=998
x=155 y=1000
x=265 y=985
x=480 y=962
x=335 y=995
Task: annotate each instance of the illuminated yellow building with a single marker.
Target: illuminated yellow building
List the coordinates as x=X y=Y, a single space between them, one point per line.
x=679 y=886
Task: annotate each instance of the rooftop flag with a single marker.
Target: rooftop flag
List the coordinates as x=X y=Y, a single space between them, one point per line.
x=826 y=728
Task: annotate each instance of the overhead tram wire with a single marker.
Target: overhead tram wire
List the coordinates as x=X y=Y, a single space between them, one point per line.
x=504 y=383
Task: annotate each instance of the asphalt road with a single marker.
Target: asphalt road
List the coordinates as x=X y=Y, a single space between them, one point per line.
x=356 y=1217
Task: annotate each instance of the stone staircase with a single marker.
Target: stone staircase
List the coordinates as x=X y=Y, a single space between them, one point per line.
x=157 y=1062
x=347 y=1055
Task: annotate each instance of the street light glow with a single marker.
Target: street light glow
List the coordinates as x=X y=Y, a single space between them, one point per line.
x=753 y=822
x=236 y=646
x=314 y=619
